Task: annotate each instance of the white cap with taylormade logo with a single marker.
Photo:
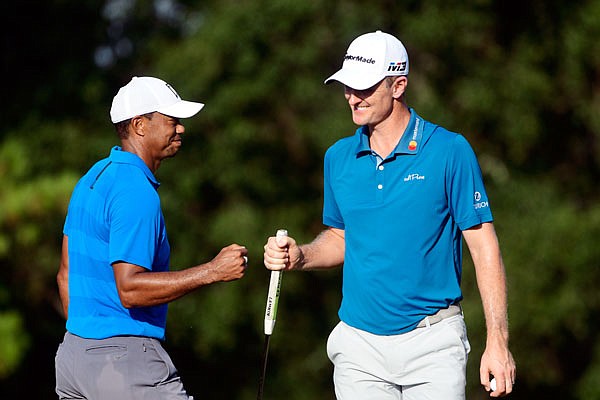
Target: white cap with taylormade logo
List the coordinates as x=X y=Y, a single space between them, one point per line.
x=145 y=94
x=370 y=58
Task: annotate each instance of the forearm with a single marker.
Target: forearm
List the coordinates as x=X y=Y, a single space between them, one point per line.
x=63 y=292
x=326 y=251
x=145 y=288
x=139 y=287
x=491 y=281
x=62 y=277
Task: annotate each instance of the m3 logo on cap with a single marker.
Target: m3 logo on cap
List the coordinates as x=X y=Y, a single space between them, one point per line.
x=397 y=66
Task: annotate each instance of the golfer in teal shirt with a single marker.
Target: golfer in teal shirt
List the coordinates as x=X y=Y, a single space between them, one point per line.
x=404 y=202
x=399 y=197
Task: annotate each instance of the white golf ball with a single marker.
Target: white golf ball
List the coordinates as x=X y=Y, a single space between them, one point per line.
x=493 y=384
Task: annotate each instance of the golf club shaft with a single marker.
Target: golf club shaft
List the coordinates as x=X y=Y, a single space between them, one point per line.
x=270 y=317
x=261 y=382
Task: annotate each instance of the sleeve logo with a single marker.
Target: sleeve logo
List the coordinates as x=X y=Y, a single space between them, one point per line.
x=478 y=203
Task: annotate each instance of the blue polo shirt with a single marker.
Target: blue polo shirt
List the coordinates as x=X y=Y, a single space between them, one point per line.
x=402 y=218
x=114 y=215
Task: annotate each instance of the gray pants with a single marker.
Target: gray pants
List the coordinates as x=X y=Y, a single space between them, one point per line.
x=116 y=368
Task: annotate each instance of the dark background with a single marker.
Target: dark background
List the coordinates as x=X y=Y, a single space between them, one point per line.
x=521 y=80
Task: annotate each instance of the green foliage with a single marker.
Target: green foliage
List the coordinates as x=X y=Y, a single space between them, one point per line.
x=15 y=341
x=519 y=80
x=33 y=203
x=553 y=273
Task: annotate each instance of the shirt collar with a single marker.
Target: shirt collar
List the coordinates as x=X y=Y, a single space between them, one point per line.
x=410 y=142
x=117 y=155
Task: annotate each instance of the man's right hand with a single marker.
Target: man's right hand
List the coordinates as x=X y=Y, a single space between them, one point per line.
x=282 y=254
x=230 y=264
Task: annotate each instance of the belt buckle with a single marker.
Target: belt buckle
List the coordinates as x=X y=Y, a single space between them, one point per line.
x=438 y=317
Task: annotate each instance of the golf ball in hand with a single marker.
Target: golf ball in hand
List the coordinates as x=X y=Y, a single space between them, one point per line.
x=493 y=384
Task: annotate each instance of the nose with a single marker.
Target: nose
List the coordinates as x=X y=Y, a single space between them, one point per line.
x=180 y=129
x=351 y=97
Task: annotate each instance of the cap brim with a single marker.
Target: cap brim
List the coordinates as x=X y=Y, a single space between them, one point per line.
x=182 y=109
x=354 y=80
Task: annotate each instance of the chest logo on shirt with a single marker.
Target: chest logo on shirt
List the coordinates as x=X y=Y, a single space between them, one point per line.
x=412 y=146
x=414 y=177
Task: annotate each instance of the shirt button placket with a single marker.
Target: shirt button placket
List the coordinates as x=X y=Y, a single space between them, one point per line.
x=380 y=182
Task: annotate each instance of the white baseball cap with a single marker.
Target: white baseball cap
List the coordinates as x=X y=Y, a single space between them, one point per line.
x=145 y=94
x=370 y=58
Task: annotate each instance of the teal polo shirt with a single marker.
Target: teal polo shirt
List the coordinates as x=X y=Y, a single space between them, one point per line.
x=402 y=217
x=114 y=216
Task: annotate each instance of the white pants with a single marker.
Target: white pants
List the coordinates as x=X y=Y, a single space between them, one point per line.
x=427 y=363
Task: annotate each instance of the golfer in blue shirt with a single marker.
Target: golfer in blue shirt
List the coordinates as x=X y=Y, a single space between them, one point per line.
x=114 y=279
x=399 y=196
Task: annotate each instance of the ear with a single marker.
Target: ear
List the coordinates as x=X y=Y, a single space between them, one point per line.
x=399 y=86
x=137 y=125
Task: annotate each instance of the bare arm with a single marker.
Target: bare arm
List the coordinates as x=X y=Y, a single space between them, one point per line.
x=62 y=278
x=139 y=287
x=491 y=280
x=326 y=251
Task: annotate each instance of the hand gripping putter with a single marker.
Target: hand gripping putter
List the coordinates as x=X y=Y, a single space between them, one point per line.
x=270 y=316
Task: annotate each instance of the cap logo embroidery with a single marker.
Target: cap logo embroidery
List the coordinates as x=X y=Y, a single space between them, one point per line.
x=397 y=66
x=172 y=90
x=349 y=57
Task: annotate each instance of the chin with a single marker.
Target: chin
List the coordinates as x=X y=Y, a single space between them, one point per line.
x=359 y=121
x=171 y=151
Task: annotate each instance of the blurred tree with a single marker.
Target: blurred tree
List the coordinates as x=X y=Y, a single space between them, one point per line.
x=522 y=87
x=57 y=92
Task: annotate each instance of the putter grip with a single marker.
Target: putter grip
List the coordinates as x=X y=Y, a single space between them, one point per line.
x=273 y=295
